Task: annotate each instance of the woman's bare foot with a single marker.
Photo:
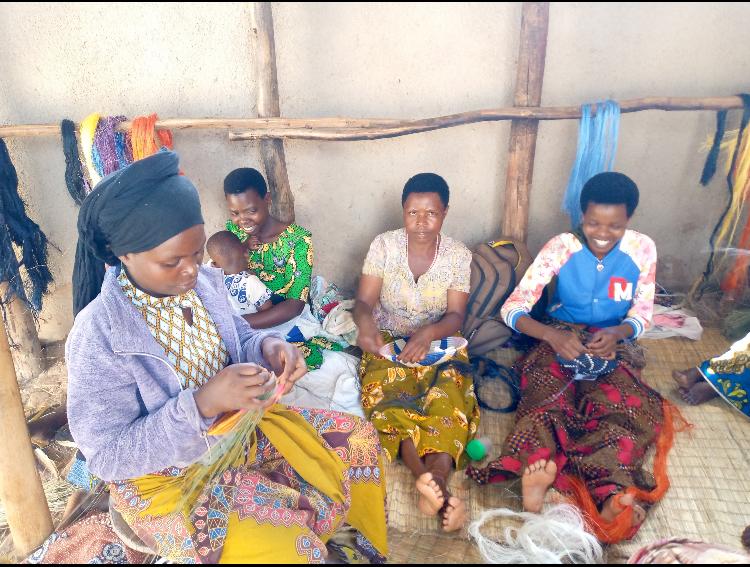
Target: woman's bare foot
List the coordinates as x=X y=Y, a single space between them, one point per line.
x=454 y=515
x=686 y=378
x=536 y=480
x=699 y=393
x=431 y=497
x=610 y=509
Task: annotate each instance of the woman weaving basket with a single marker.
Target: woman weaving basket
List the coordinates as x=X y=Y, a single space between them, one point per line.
x=586 y=419
x=415 y=284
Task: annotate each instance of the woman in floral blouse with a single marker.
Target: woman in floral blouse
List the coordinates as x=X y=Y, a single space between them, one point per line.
x=415 y=284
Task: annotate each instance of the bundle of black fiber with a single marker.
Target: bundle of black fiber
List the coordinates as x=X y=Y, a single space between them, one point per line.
x=709 y=167
x=74 y=178
x=17 y=228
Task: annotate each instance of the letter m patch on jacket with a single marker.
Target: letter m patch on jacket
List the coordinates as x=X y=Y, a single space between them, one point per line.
x=620 y=289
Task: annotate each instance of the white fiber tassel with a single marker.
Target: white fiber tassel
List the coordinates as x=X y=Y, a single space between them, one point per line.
x=556 y=536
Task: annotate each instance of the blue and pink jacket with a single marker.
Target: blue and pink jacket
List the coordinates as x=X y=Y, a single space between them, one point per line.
x=600 y=293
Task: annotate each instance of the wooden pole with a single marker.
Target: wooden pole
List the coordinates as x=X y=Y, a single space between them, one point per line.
x=344 y=129
x=20 y=486
x=328 y=129
x=531 y=56
x=24 y=340
x=272 y=150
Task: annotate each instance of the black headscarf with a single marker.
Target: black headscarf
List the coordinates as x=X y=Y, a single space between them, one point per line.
x=132 y=210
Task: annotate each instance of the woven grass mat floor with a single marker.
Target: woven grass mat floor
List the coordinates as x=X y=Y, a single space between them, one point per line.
x=709 y=498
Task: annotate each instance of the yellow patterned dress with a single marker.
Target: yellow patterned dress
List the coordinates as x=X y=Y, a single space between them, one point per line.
x=307 y=473
x=440 y=415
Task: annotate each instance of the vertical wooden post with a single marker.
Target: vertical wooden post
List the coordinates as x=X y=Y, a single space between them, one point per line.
x=20 y=486
x=272 y=151
x=24 y=340
x=532 y=51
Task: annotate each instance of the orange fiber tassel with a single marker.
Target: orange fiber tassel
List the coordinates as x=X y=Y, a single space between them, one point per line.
x=621 y=527
x=736 y=279
x=165 y=136
x=143 y=137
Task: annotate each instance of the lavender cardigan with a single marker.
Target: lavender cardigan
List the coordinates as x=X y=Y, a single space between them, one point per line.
x=127 y=410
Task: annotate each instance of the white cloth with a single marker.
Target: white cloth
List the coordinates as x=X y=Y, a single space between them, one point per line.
x=340 y=322
x=674 y=322
x=333 y=386
x=246 y=292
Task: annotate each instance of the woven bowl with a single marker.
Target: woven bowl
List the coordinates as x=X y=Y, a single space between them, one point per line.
x=587 y=367
x=440 y=351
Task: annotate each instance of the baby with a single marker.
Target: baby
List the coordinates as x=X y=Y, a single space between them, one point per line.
x=247 y=294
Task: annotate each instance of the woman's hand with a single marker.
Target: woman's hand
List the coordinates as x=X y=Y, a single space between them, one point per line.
x=369 y=339
x=285 y=360
x=417 y=346
x=565 y=343
x=603 y=343
x=238 y=386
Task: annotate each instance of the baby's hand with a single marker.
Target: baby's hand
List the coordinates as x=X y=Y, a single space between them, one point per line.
x=253 y=242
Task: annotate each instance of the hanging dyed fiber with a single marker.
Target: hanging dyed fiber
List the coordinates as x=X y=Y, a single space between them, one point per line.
x=143 y=137
x=17 y=228
x=123 y=148
x=597 y=146
x=87 y=133
x=735 y=280
x=738 y=185
x=74 y=178
x=165 y=137
x=709 y=169
x=107 y=159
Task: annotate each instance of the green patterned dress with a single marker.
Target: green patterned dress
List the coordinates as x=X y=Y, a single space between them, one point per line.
x=285 y=267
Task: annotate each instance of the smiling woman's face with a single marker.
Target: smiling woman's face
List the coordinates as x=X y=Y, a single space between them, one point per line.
x=604 y=226
x=248 y=210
